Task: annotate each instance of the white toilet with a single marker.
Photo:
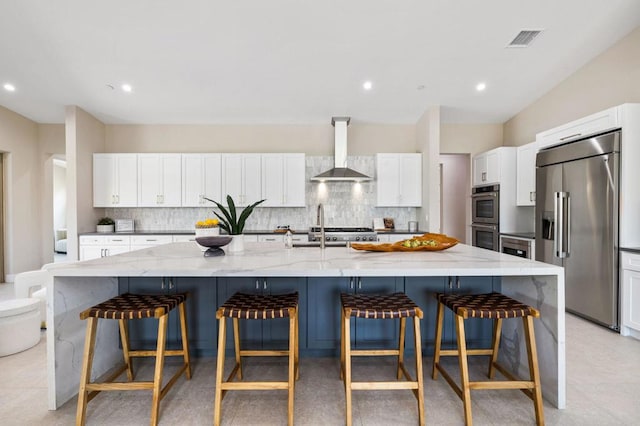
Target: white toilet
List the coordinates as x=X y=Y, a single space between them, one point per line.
x=19 y=325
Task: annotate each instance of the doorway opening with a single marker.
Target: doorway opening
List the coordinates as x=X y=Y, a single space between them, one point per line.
x=59 y=210
x=455 y=193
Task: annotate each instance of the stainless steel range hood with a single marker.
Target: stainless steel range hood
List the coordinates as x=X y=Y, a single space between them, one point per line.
x=340 y=172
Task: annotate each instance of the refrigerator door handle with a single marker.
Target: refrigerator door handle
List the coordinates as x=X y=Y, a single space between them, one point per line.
x=561 y=243
x=567 y=199
x=557 y=212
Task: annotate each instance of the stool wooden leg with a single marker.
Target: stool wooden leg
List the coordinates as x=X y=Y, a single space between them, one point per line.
x=85 y=375
x=341 y=344
x=124 y=337
x=419 y=378
x=292 y=356
x=236 y=343
x=533 y=368
x=346 y=317
x=157 y=375
x=497 y=333
x=403 y=323
x=438 y=342
x=464 y=370
x=297 y=354
x=219 y=371
x=185 y=339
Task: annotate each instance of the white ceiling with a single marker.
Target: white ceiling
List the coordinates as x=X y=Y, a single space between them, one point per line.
x=295 y=61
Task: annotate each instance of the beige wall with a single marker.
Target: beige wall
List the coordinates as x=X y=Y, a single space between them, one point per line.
x=364 y=139
x=84 y=136
x=23 y=186
x=469 y=138
x=613 y=78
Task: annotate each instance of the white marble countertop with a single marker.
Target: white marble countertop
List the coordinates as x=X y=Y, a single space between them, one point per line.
x=272 y=259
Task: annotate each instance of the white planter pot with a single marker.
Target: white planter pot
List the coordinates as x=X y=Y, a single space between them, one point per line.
x=236 y=245
x=105 y=229
x=206 y=232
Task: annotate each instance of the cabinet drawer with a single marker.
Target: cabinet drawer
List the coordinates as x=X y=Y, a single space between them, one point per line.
x=271 y=238
x=119 y=240
x=92 y=240
x=630 y=261
x=151 y=239
x=184 y=238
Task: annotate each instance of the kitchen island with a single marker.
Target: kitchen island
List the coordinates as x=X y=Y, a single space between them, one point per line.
x=80 y=285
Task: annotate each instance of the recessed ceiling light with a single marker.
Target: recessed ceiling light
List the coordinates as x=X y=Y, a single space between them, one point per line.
x=127 y=88
x=367 y=85
x=481 y=86
x=9 y=87
x=421 y=87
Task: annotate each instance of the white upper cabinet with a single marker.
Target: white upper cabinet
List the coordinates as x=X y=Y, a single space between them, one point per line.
x=201 y=177
x=241 y=178
x=489 y=167
x=115 y=180
x=600 y=121
x=399 y=180
x=159 y=180
x=526 y=174
x=283 y=183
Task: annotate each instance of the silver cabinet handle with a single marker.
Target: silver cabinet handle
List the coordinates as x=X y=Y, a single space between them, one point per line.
x=171 y=286
x=351 y=283
x=484 y=176
x=117 y=199
x=257 y=284
x=450 y=283
x=264 y=284
x=162 y=283
x=359 y=283
x=571 y=136
x=458 y=282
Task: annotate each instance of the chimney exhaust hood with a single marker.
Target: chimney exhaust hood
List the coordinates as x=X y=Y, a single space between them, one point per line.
x=340 y=172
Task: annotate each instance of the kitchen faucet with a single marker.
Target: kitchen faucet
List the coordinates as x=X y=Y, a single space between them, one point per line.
x=321 y=224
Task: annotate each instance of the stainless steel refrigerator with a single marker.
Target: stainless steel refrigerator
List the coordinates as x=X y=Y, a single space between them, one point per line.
x=577 y=222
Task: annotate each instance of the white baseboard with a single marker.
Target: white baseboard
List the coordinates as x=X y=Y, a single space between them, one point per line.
x=10 y=278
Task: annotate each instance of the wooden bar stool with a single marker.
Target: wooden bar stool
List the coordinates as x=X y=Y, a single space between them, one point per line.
x=494 y=306
x=256 y=307
x=392 y=306
x=131 y=307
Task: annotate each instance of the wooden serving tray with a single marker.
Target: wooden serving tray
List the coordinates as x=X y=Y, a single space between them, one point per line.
x=441 y=241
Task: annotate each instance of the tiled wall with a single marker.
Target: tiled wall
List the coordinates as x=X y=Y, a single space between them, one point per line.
x=345 y=204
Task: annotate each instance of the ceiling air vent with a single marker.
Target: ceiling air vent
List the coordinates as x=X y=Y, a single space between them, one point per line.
x=524 y=38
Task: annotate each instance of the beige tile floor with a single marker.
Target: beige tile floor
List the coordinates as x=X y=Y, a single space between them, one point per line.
x=603 y=381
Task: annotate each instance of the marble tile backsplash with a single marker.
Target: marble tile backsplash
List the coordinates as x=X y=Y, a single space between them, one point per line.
x=345 y=204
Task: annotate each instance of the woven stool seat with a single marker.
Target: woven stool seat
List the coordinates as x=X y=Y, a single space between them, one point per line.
x=374 y=306
x=134 y=306
x=258 y=306
x=489 y=305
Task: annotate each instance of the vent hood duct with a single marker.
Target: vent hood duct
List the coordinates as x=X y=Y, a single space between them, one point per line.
x=340 y=172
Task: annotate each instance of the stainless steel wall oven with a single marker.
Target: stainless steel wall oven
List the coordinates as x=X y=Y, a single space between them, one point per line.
x=485 y=217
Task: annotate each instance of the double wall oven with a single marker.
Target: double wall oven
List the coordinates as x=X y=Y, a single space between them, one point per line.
x=485 y=217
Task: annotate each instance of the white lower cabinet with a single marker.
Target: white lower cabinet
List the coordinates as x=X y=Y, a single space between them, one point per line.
x=392 y=238
x=95 y=246
x=630 y=300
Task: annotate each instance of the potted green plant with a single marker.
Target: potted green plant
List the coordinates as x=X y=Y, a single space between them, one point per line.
x=231 y=222
x=105 y=225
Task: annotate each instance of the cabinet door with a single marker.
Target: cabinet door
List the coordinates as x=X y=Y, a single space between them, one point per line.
x=493 y=166
x=232 y=177
x=273 y=180
x=252 y=179
x=410 y=185
x=250 y=330
x=526 y=174
x=201 y=313
x=422 y=291
x=91 y=252
x=377 y=333
x=126 y=180
x=104 y=180
x=193 y=180
x=294 y=180
x=143 y=333
x=479 y=169
x=478 y=331
x=112 y=250
x=149 y=180
x=275 y=333
x=323 y=312
x=171 y=180
x=387 y=179
x=212 y=178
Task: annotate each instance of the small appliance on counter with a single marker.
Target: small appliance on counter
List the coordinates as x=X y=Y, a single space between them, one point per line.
x=124 y=225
